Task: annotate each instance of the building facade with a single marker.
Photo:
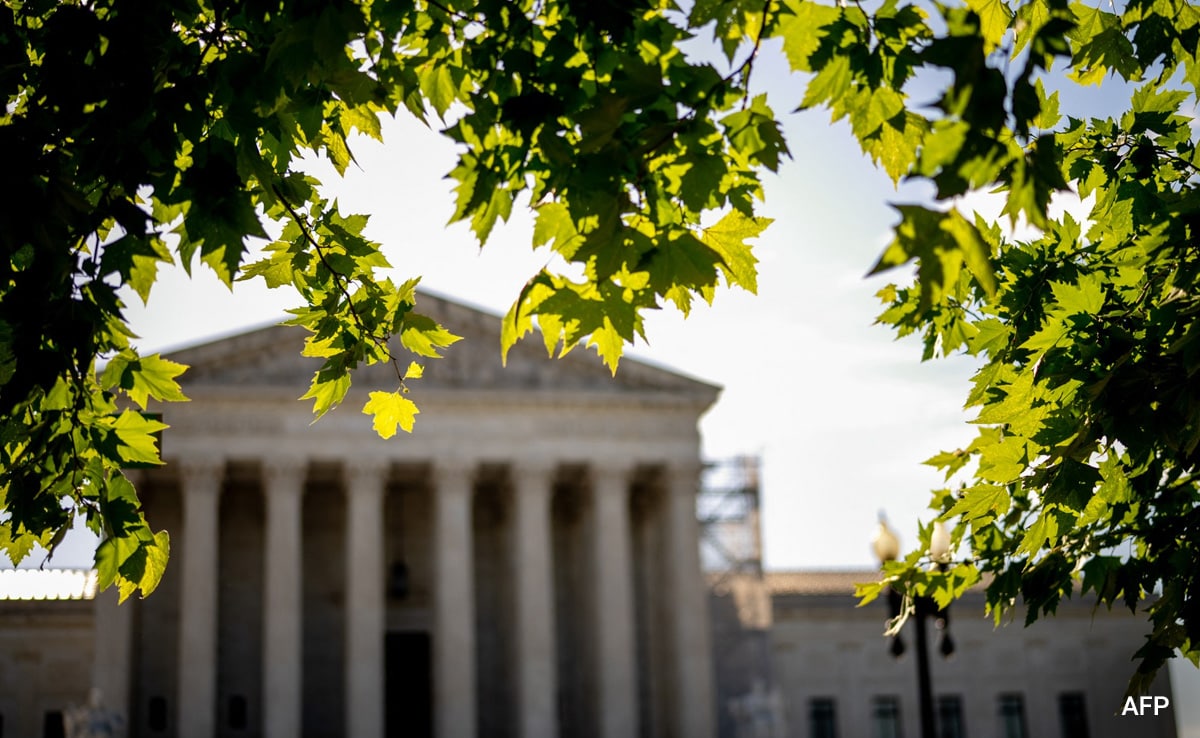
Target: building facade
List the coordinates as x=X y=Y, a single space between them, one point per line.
x=1063 y=677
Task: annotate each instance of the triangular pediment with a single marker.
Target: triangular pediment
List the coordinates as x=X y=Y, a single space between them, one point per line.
x=270 y=357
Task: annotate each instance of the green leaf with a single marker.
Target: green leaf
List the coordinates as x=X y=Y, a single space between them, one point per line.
x=422 y=336
x=390 y=409
x=1048 y=115
x=326 y=392
x=554 y=226
x=831 y=82
x=802 y=30
x=1103 y=46
x=144 y=377
x=994 y=17
x=942 y=242
x=438 y=87
x=363 y=119
x=137 y=434
x=19 y=545
x=609 y=343
x=983 y=501
x=728 y=237
x=1043 y=530
x=1083 y=298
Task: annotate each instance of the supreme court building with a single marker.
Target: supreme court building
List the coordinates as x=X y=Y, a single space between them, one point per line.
x=524 y=564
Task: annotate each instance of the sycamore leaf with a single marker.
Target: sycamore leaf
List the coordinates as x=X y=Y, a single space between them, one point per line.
x=137 y=435
x=19 y=545
x=275 y=271
x=363 y=119
x=422 y=336
x=983 y=501
x=1085 y=297
x=554 y=226
x=1044 y=529
x=438 y=87
x=1003 y=462
x=391 y=409
x=951 y=461
x=830 y=84
x=728 y=238
x=994 y=17
x=1048 y=115
x=326 y=392
x=609 y=343
x=144 y=377
x=802 y=30
x=157 y=556
x=414 y=371
x=134 y=560
x=518 y=321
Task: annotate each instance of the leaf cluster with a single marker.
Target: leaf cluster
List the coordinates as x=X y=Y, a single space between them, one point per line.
x=144 y=135
x=1082 y=476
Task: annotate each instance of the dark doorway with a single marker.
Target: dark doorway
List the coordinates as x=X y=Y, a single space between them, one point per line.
x=408 y=688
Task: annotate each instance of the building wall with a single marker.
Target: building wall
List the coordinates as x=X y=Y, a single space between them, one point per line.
x=45 y=660
x=825 y=647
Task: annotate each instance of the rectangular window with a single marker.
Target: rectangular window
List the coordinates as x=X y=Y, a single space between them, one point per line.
x=1012 y=716
x=1072 y=715
x=885 y=714
x=822 y=718
x=950 y=717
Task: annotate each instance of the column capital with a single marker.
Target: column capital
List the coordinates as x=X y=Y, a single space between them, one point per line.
x=447 y=470
x=611 y=475
x=365 y=475
x=682 y=476
x=533 y=471
x=284 y=468
x=201 y=473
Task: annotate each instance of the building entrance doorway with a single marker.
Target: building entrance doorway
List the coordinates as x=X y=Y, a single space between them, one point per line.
x=408 y=685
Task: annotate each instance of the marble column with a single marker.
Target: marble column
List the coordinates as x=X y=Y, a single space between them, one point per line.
x=200 y=481
x=533 y=577
x=612 y=568
x=113 y=639
x=366 y=483
x=692 y=670
x=454 y=602
x=283 y=578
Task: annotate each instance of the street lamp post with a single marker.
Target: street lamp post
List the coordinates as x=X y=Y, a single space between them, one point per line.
x=887 y=548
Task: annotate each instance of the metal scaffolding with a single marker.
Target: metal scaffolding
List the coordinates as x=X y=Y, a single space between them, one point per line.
x=730 y=537
x=731 y=555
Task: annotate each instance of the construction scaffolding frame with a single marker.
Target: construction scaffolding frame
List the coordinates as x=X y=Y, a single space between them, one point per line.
x=727 y=508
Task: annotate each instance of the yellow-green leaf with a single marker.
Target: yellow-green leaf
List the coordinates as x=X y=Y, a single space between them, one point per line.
x=391 y=409
x=994 y=17
x=728 y=238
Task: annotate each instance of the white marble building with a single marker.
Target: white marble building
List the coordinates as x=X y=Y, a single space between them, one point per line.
x=525 y=563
